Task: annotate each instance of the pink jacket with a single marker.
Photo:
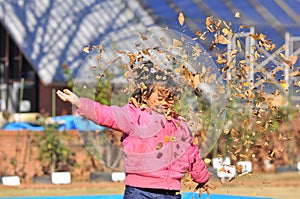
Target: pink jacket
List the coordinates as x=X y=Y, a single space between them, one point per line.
x=157 y=152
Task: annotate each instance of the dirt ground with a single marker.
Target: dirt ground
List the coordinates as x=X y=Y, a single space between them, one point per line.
x=282 y=185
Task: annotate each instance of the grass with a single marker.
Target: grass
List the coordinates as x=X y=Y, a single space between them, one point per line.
x=283 y=185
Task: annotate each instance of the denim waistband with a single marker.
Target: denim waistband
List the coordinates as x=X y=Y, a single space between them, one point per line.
x=158 y=191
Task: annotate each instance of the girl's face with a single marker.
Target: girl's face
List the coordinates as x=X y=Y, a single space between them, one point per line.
x=159 y=99
x=153 y=101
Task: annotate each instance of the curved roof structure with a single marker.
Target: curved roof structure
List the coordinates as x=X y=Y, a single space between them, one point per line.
x=53 y=33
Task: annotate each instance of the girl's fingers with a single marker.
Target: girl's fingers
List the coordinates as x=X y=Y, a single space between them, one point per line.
x=63 y=96
x=207 y=191
x=200 y=192
x=67 y=91
x=213 y=187
x=206 y=188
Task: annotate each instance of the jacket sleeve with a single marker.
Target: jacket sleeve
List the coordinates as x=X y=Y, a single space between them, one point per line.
x=107 y=116
x=197 y=168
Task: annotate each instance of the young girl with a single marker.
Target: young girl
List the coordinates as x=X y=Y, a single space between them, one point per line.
x=157 y=143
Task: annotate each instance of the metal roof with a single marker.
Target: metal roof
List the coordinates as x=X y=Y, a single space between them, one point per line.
x=53 y=33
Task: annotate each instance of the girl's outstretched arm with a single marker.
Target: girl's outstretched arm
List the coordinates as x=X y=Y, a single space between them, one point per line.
x=108 y=116
x=68 y=96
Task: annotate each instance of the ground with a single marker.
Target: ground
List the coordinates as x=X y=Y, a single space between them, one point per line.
x=280 y=185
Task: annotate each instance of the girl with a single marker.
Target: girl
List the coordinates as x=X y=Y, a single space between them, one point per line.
x=157 y=143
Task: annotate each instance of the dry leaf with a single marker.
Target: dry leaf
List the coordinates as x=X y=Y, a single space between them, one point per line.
x=244 y=26
x=207 y=160
x=226 y=131
x=167 y=138
x=86 y=49
x=295 y=73
x=177 y=43
x=202 y=37
x=222 y=40
x=239 y=169
x=173 y=139
x=159 y=146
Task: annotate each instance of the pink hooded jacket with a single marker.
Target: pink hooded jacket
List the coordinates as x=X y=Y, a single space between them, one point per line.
x=157 y=152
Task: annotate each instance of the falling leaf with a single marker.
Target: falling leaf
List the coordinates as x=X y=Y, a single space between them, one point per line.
x=159 y=146
x=209 y=22
x=181 y=18
x=226 y=31
x=222 y=169
x=163 y=39
x=195 y=142
x=244 y=26
x=144 y=37
x=159 y=155
x=295 y=73
x=226 y=131
x=173 y=139
x=177 y=43
x=167 y=138
x=207 y=160
x=292 y=60
x=222 y=40
x=86 y=49
x=202 y=37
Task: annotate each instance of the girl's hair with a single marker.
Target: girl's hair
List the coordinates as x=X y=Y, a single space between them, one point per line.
x=147 y=78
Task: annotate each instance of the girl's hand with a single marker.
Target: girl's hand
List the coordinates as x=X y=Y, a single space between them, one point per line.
x=68 y=96
x=204 y=187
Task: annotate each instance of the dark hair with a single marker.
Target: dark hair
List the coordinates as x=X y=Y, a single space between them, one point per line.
x=146 y=77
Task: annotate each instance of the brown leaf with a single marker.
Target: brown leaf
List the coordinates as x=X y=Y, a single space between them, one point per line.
x=222 y=40
x=173 y=139
x=202 y=36
x=244 y=26
x=295 y=73
x=207 y=160
x=226 y=31
x=86 y=49
x=239 y=168
x=226 y=131
x=177 y=43
x=159 y=146
x=143 y=37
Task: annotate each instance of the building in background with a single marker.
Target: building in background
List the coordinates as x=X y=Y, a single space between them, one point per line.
x=39 y=38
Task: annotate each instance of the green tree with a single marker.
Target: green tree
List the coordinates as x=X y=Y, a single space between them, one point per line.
x=54 y=152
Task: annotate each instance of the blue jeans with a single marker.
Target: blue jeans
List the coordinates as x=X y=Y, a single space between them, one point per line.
x=136 y=193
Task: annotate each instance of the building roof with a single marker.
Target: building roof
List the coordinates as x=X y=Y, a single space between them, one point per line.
x=53 y=33
x=271 y=17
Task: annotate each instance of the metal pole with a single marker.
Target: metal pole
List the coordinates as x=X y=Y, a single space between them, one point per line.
x=287 y=67
x=251 y=51
x=53 y=103
x=21 y=94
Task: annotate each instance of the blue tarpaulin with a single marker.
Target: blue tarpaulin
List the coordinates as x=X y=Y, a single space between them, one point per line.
x=189 y=195
x=66 y=122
